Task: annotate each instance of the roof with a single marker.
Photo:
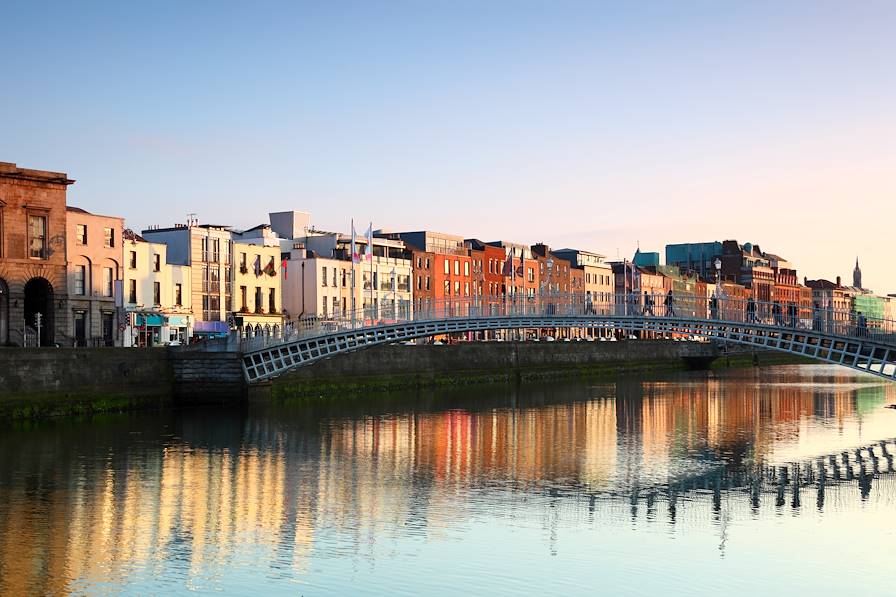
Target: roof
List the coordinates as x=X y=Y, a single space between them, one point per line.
x=10 y=170
x=128 y=234
x=77 y=210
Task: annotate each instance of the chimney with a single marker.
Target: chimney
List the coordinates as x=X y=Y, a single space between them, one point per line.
x=838 y=280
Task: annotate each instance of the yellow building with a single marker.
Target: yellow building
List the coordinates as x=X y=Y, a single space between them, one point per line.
x=257 y=295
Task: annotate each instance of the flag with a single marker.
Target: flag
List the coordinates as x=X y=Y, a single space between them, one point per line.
x=285 y=269
x=519 y=271
x=507 y=270
x=257 y=265
x=368 y=251
x=356 y=257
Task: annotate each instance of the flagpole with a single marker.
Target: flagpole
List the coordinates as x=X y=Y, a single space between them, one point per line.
x=370 y=248
x=351 y=259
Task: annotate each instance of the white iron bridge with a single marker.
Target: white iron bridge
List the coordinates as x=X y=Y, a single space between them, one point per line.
x=855 y=340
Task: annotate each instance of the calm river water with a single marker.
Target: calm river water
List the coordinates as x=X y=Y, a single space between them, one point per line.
x=740 y=483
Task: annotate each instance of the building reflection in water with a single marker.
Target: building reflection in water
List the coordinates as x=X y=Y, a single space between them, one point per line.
x=87 y=505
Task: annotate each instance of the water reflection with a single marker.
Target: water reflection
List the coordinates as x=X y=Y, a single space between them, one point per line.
x=286 y=496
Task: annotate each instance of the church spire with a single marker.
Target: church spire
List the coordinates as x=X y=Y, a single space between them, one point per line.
x=857 y=275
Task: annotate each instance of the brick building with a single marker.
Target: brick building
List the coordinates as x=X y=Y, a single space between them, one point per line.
x=491 y=276
x=32 y=255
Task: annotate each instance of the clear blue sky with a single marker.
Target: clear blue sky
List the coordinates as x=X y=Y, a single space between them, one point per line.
x=578 y=124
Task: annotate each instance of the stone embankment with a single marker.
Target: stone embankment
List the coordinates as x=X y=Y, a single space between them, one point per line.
x=46 y=382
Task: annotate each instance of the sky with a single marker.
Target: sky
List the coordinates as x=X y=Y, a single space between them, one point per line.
x=600 y=126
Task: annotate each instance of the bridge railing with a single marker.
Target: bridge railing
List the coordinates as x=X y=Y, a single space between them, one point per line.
x=620 y=307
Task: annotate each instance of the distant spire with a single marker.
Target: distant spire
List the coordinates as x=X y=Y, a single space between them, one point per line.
x=857 y=275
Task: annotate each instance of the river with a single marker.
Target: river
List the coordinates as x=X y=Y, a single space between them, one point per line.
x=731 y=482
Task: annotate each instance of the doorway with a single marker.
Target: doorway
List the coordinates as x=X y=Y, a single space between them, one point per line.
x=4 y=312
x=39 y=299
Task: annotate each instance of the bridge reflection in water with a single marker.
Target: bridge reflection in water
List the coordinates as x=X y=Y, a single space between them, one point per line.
x=144 y=501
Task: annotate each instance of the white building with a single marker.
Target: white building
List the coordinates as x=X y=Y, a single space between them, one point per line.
x=156 y=296
x=208 y=250
x=319 y=279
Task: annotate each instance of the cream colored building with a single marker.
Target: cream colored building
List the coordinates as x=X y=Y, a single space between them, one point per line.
x=208 y=250
x=319 y=281
x=257 y=288
x=156 y=296
x=93 y=253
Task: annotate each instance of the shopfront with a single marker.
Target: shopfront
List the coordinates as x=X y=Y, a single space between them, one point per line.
x=211 y=329
x=177 y=329
x=147 y=329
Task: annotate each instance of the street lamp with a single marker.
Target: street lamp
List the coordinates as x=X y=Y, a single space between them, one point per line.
x=718 y=264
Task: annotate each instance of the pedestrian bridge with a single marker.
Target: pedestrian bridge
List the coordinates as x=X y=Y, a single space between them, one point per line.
x=844 y=338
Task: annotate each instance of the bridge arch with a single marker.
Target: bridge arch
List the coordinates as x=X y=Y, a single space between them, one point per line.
x=860 y=353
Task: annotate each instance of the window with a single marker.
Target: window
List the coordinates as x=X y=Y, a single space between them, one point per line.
x=456 y=287
x=37 y=237
x=244 y=304
x=81 y=234
x=107 y=281
x=447 y=286
x=108 y=237
x=80 y=279
x=272 y=301
x=334 y=277
x=419 y=262
x=466 y=268
x=466 y=289
x=427 y=282
x=205 y=278
x=156 y=262
x=343 y=278
x=216 y=250
x=227 y=282
x=324 y=304
x=427 y=262
x=157 y=293
x=243 y=267
x=132 y=291
x=456 y=267
x=323 y=276
x=204 y=248
x=447 y=267
x=132 y=260
x=258 y=299
x=214 y=280
x=419 y=282
x=178 y=295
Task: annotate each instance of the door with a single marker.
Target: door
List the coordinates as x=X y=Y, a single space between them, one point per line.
x=80 y=328
x=108 y=329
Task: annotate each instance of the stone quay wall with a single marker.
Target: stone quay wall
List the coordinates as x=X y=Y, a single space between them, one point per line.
x=69 y=381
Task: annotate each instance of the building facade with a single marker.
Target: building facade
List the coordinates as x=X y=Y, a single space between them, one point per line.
x=33 y=256
x=208 y=251
x=320 y=276
x=94 y=251
x=257 y=294
x=155 y=295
